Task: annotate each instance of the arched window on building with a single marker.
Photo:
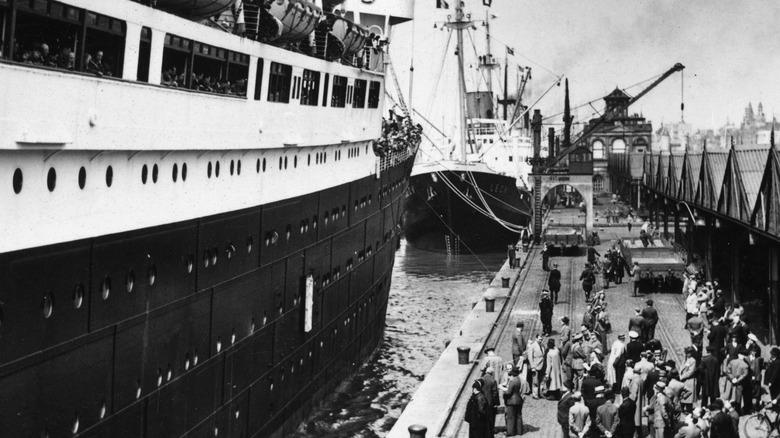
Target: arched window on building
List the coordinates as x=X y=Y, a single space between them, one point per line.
x=618 y=146
x=598 y=150
x=598 y=184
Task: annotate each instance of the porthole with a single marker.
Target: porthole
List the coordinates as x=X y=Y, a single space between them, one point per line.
x=274 y=237
x=51 y=179
x=206 y=258
x=285 y=162
x=17 y=181
x=78 y=296
x=137 y=389
x=238 y=412
x=343 y=210
x=190 y=263
x=208 y=170
x=184 y=172
x=195 y=358
x=47 y=305
x=233 y=337
x=82 y=177
x=295 y=162
x=109 y=176
x=252 y=327
x=75 y=426
x=102 y=413
x=152 y=274
x=263 y=164
x=250 y=242
x=105 y=288
x=280 y=163
x=219 y=344
x=130 y=281
x=308 y=160
x=186 y=361
x=144 y=174
x=216 y=431
x=238 y=167
x=314 y=222
x=175 y=172
x=169 y=375
x=154 y=173
x=301 y=227
x=257 y=166
x=214 y=255
x=159 y=377
x=216 y=170
x=230 y=251
x=232 y=166
x=288 y=232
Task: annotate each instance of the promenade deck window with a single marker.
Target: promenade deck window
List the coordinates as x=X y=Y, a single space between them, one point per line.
x=55 y=35
x=338 y=97
x=203 y=67
x=279 y=82
x=359 y=94
x=310 y=89
x=374 y=89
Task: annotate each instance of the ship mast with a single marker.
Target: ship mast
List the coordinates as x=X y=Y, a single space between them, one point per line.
x=458 y=25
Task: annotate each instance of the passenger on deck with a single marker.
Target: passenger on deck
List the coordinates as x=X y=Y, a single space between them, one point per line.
x=96 y=65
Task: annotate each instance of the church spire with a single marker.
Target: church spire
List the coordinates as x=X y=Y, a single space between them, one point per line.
x=567 y=119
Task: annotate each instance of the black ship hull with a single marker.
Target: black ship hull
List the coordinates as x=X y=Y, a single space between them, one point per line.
x=197 y=328
x=436 y=218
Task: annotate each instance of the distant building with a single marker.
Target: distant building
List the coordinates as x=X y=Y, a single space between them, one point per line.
x=673 y=137
x=755 y=129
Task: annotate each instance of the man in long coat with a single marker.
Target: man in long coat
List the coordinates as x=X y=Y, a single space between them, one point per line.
x=553 y=370
x=626 y=412
x=477 y=412
x=554 y=282
x=579 y=418
x=738 y=383
x=709 y=370
x=490 y=391
x=650 y=314
x=607 y=415
x=513 y=402
x=564 y=405
x=772 y=374
x=546 y=313
x=636 y=323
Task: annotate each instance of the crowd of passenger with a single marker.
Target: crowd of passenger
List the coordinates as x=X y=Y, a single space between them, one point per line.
x=64 y=58
x=398 y=134
x=203 y=82
x=607 y=390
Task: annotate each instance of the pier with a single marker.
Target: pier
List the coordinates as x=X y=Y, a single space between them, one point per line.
x=440 y=402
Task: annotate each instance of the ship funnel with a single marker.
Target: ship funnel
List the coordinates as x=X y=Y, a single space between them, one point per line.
x=536 y=125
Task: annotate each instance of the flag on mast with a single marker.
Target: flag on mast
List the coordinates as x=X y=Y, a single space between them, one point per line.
x=487 y=2
x=441 y=4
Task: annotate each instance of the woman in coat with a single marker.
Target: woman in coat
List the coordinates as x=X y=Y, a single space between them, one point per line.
x=688 y=377
x=554 y=371
x=616 y=359
x=477 y=413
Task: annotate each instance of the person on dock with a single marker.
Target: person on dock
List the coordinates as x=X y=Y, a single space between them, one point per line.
x=565 y=335
x=491 y=360
x=518 y=343
x=553 y=371
x=658 y=412
x=650 y=314
x=616 y=364
x=546 y=257
x=772 y=373
x=626 y=412
x=635 y=347
x=709 y=373
x=564 y=405
x=588 y=279
x=593 y=255
x=535 y=355
x=510 y=253
x=477 y=412
x=578 y=358
x=637 y=323
x=514 y=397
x=554 y=282
x=490 y=391
x=518 y=256
x=546 y=313
x=607 y=419
x=634 y=274
x=525 y=238
x=579 y=418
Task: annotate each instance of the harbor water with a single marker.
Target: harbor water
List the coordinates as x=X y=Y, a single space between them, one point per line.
x=429 y=297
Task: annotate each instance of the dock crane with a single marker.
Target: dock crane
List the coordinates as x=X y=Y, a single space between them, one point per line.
x=608 y=117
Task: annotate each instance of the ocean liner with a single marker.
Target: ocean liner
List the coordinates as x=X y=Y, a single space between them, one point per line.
x=197 y=228
x=475 y=198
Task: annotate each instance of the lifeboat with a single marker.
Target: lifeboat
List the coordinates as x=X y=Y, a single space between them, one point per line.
x=353 y=35
x=194 y=9
x=298 y=18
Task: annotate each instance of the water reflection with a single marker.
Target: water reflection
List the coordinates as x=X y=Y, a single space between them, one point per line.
x=430 y=295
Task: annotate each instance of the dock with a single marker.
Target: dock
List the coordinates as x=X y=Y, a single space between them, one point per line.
x=440 y=402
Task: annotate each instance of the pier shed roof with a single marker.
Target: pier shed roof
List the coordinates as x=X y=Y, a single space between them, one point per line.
x=649 y=166
x=675 y=174
x=751 y=164
x=733 y=201
x=690 y=177
x=766 y=211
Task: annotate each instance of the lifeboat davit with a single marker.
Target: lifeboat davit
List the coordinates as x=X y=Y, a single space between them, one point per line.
x=353 y=35
x=194 y=9
x=299 y=18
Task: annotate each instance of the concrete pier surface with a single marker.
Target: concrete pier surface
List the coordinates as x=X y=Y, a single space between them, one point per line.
x=440 y=402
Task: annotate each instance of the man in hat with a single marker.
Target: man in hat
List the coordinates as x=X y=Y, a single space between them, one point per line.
x=634 y=275
x=650 y=314
x=721 y=425
x=709 y=370
x=588 y=279
x=626 y=412
x=491 y=360
x=578 y=358
x=719 y=305
x=695 y=327
x=535 y=354
x=607 y=416
x=477 y=412
x=554 y=282
x=510 y=253
x=490 y=391
x=738 y=384
x=514 y=397
x=564 y=405
x=689 y=428
x=546 y=313
x=635 y=347
x=565 y=330
x=579 y=418
x=518 y=343
x=657 y=410
x=716 y=338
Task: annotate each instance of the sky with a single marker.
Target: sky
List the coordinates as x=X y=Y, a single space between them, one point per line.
x=731 y=51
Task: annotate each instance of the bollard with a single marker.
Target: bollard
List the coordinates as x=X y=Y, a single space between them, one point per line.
x=505 y=282
x=417 y=431
x=463 y=355
x=490 y=305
